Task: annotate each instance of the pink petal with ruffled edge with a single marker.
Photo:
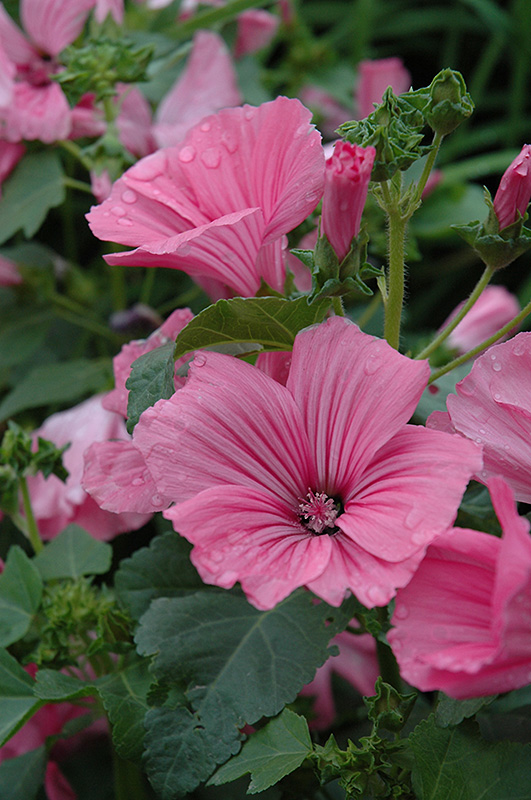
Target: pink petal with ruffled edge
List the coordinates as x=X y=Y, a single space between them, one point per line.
x=347 y=412
x=116 y=400
x=270 y=552
x=54 y=24
x=207 y=84
x=37 y=112
x=409 y=492
x=210 y=433
x=117 y=477
x=493 y=408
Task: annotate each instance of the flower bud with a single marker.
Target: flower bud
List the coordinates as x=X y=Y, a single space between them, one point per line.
x=514 y=191
x=450 y=103
x=347 y=177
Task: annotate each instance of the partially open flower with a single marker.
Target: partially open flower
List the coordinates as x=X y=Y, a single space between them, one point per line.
x=514 y=191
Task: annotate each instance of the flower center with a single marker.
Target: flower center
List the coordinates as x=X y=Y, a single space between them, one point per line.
x=318 y=512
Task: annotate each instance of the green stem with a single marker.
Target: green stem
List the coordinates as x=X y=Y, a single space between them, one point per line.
x=147 y=286
x=76 y=315
x=337 y=305
x=129 y=783
x=395 y=277
x=369 y=311
x=480 y=285
x=186 y=297
x=75 y=150
x=483 y=346
x=33 y=531
x=428 y=166
x=118 y=288
x=81 y=186
x=208 y=18
x=386 y=659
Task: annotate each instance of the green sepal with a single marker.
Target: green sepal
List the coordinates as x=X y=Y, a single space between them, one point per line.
x=332 y=278
x=19 y=460
x=388 y=709
x=496 y=250
x=450 y=104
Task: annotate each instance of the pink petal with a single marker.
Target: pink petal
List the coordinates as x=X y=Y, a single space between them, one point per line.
x=276 y=365
x=256 y=29
x=134 y=121
x=7 y=73
x=211 y=433
x=113 y=7
x=117 y=477
x=271 y=263
x=9 y=274
x=37 y=112
x=251 y=536
x=15 y=44
x=410 y=492
x=224 y=250
x=494 y=308
x=207 y=84
x=54 y=24
x=56 y=785
x=347 y=412
x=374 y=78
x=87 y=120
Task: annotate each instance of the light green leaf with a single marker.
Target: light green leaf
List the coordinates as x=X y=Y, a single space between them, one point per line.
x=17 y=701
x=269 y=321
x=72 y=554
x=56 y=383
x=239 y=665
x=22 y=777
x=124 y=696
x=20 y=596
x=270 y=753
x=151 y=379
x=163 y=569
x=457 y=764
x=35 y=186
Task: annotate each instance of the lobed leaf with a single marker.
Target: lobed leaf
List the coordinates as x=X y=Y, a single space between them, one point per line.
x=73 y=553
x=17 y=701
x=124 y=696
x=20 y=596
x=22 y=777
x=151 y=379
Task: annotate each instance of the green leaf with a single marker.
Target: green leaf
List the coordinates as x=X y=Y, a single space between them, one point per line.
x=270 y=753
x=20 y=338
x=239 y=664
x=17 y=701
x=53 y=686
x=20 y=596
x=451 y=712
x=72 y=554
x=434 y=397
x=151 y=379
x=269 y=321
x=56 y=383
x=22 y=777
x=163 y=569
x=124 y=696
x=457 y=764
x=35 y=186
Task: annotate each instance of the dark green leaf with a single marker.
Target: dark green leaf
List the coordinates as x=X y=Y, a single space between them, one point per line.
x=451 y=712
x=270 y=753
x=20 y=596
x=163 y=569
x=72 y=554
x=17 y=701
x=124 y=696
x=56 y=383
x=151 y=379
x=53 y=686
x=239 y=664
x=269 y=321
x=457 y=764
x=434 y=397
x=22 y=777
x=19 y=338
x=35 y=186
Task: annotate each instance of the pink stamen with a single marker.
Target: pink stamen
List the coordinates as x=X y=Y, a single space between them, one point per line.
x=319 y=511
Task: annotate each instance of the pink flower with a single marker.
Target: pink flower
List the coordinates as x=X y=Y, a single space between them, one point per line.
x=329 y=111
x=115 y=473
x=495 y=307
x=57 y=504
x=374 y=77
x=7 y=73
x=209 y=206
x=463 y=623
x=347 y=177
x=9 y=274
x=320 y=483
x=113 y=7
x=256 y=29
x=356 y=663
x=39 y=109
x=101 y=185
x=207 y=84
x=134 y=121
x=514 y=190
x=492 y=407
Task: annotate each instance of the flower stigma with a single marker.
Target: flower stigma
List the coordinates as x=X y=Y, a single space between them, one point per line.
x=318 y=512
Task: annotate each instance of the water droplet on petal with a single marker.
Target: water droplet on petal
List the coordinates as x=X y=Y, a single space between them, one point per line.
x=199 y=360
x=149 y=167
x=519 y=347
x=211 y=157
x=124 y=222
x=129 y=196
x=493 y=357
x=248 y=113
x=482 y=431
x=372 y=364
x=156 y=500
x=497 y=366
x=118 y=211
x=229 y=142
x=137 y=482
x=497 y=396
x=206 y=126
x=506 y=447
x=413 y=518
x=401 y=611
x=377 y=595
x=187 y=154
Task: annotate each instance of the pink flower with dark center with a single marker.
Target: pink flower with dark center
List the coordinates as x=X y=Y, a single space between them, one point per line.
x=493 y=408
x=514 y=191
x=319 y=483
x=210 y=206
x=463 y=623
x=494 y=308
x=374 y=77
x=347 y=177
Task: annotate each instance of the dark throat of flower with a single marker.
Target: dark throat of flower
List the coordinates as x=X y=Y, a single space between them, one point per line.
x=318 y=513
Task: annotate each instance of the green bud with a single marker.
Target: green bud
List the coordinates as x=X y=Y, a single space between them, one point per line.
x=388 y=709
x=450 y=104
